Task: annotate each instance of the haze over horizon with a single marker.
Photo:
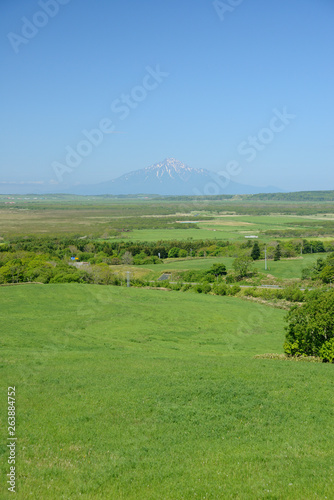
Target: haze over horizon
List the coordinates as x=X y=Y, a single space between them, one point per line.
x=92 y=92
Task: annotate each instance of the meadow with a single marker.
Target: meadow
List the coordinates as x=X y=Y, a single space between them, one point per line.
x=284 y=269
x=153 y=219
x=142 y=394
x=137 y=393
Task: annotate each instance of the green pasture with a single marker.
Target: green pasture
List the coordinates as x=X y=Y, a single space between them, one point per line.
x=226 y=228
x=173 y=234
x=235 y=230
x=153 y=220
x=282 y=269
x=198 y=263
x=142 y=394
x=220 y=228
x=288 y=268
x=171 y=265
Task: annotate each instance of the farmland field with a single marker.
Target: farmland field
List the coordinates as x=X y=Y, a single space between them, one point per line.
x=132 y=394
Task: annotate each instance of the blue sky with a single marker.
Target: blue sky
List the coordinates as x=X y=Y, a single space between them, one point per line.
x=199 y=81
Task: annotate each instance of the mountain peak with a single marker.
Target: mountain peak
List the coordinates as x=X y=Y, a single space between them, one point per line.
x=171 y=177
x=173 y=162
x=170 y=168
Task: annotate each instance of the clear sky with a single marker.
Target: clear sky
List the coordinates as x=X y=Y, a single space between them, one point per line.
x=205 y=82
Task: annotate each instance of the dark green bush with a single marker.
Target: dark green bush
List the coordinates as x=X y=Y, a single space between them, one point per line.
x=220 y=289
x=186 y=287
x=311 y=326
x=327 y=351
x=173 y=253
x=233 y=290
x=202 y=288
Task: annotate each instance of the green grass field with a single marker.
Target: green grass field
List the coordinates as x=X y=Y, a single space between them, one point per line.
x=152 y=220
x=174 y=234
x=142 y=394
x=228 y=228
x=288 y=268
x=223 y=228
x=282 y=269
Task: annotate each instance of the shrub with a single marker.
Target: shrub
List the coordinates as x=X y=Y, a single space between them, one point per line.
x=206 y=287
x=230 y=278
x=220 y=289
x=173 y=253
x=327 y=351
x=85 y=256
x=218 y=270
x=293 y=294
x=242 y=266
x=233 y=290
x=208 y=277
x=185 y=287
x=115 y=261
x=250 y=292
x=176 y=286
x=194 y=276
x=202 y=288
x=183 y=253
x=327 y=274
x=64 y=277
x=127 y=258
x=311 y=325
x=12 y=272
x=307 y=272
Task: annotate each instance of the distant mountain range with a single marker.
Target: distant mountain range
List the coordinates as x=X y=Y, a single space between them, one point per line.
x=169 y=177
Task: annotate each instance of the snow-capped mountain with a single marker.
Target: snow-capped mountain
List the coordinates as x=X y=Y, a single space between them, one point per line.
x=171 y=177
x=169 y=168
x=168 y=177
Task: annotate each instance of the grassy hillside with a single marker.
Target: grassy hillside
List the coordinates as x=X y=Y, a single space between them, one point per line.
x=142 y=394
